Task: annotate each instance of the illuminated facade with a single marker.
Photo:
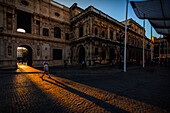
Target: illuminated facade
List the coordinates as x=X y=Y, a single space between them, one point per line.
x=161 y=46
x=55 y=33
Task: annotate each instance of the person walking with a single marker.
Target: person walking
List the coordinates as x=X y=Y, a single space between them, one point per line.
x=46 y=70
x=82 y=64
x=152 y=65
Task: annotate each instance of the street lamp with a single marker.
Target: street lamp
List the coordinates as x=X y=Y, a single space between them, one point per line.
x=118 y=36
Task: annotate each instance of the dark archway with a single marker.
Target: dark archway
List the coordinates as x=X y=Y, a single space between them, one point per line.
x=26 y=56
x=112 y=54
x=81 y=54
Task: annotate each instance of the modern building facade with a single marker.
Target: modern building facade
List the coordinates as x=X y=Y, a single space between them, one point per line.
x=55 y=33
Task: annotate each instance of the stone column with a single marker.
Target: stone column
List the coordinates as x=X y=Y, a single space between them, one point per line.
x=5 y=47
x=107 y=53
x=76 y=32
x=41 y=26
x=1 y=48
x=51 y=29
x=108 y=33
x=13 y=21
x=90 y=52
x=87 y=53
x=34 y=25
x=4 y=19
x=91 y=27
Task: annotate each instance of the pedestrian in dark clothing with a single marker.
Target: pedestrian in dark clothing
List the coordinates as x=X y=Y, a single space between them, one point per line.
x=83 y=64
x=65 y=64
x=152 y=65
x=147 y=65
x=112 y=62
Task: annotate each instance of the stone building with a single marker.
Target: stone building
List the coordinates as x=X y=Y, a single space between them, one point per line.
x=47 y=31
x=98 y=38
x=161 y=48
x=55 y=33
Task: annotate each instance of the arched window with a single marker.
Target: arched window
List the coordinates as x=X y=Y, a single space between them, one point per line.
x=96 y=31
x=57 y=32
x=24 y=2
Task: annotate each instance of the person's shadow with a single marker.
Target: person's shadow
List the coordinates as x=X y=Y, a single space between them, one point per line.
x=97 y=101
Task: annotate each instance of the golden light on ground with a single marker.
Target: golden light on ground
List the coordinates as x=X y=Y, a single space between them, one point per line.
x=83 y=98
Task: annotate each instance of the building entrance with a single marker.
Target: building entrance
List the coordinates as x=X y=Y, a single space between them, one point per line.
x=81 y=54
x=24 y=55
x=112 y=54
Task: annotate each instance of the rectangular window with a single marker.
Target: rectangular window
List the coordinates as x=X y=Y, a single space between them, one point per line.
x=45 y=32
x=81 y=31
x=24 y=21
x=57 y=54
x=67 y=36
x=111 y=34
x=96 y=51
x=57 y=32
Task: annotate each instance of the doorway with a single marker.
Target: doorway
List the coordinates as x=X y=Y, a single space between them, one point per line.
x=81 y=54
x=24 y=55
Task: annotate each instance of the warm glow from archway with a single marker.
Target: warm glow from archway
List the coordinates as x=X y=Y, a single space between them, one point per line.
x=21 y=30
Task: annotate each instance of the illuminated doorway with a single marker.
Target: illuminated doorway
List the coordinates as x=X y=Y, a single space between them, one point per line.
x=24 y=55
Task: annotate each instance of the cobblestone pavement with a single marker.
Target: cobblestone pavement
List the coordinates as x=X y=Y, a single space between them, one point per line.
x=134 y=91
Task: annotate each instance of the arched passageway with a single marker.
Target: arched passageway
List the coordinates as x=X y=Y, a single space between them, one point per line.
x=81 y=54
x=24 y=55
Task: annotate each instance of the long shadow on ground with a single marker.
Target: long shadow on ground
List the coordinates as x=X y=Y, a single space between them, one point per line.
x=144 y=86
x=98 y=102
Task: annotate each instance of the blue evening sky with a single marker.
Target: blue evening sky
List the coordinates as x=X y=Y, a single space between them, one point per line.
x=114 y=8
